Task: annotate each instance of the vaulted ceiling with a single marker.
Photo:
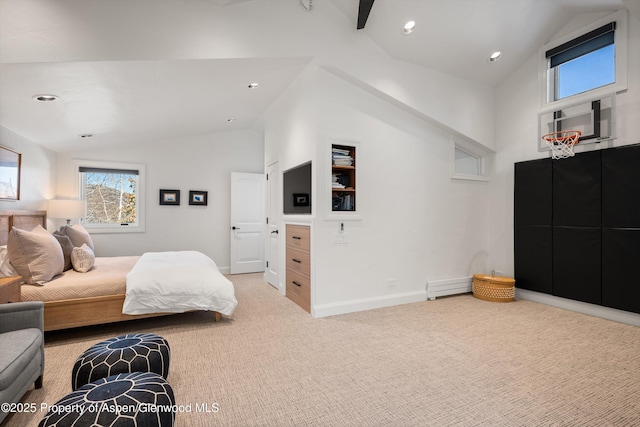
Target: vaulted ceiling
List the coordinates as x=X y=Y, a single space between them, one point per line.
x=142 y=70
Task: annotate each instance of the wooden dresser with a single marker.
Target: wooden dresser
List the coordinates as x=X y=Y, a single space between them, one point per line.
x=299 y=265
x=10 y=289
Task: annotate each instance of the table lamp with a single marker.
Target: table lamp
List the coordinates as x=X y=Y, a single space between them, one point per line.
x=66 y=209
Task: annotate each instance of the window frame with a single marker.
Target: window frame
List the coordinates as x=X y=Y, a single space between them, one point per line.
x=139 y=227
x=460 y=145
x=548 y=79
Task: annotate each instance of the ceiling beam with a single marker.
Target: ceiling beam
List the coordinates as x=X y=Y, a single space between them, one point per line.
x=363 y=12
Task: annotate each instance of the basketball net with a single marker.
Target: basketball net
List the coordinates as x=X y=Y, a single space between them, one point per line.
x=561 y=143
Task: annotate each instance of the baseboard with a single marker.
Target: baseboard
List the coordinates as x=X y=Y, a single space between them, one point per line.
x=344 y=307
x=581 y=307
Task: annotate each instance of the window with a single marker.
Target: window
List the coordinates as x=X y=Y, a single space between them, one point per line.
x=113 y=196
x=467 y=164
x=583 y=63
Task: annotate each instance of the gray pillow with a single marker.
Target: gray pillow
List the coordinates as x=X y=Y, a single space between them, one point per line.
x=78 y=235
x=67 y=246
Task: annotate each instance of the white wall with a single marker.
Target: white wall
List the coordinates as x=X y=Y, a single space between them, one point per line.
x=38 y=172
x=417 y=224
x=290 y=123
x=517 y=140
x=466 y=107
x=202 y=162
x=290 y=134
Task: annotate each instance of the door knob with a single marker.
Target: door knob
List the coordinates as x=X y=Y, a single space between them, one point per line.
x=235 y=228
x=274 y=232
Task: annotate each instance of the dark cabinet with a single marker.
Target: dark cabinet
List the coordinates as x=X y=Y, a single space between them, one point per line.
x=577 y=227
x=576 y=263
x=620 y=269
x=533 y=258
x=576 y=191
x=532 y=222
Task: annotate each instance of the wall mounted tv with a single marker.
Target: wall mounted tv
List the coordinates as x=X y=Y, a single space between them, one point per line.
x=297 y=190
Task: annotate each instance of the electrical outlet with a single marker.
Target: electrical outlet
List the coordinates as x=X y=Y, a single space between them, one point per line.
x=341 y=238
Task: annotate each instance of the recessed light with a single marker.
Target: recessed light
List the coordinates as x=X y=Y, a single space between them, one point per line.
x=409 y=27
x=495 y=55
x=86 y=135
x=45 y=98
x=254 y=85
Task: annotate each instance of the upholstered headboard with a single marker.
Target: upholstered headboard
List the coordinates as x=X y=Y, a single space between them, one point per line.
x=23 y=219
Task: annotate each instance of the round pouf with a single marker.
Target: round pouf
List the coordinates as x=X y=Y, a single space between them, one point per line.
x=126 y=353
x=132 y=399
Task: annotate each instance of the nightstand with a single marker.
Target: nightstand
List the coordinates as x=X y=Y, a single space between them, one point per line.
x=10 y=289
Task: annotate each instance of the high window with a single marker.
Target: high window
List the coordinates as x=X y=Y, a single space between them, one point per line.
x=468 y=164
x=113 y=196
x=590 y=60
x=584 y=63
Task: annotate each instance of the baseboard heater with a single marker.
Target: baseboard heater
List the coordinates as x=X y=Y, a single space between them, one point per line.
x=443 y=287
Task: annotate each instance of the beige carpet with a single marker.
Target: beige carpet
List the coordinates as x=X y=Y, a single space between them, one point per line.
x=456 y=361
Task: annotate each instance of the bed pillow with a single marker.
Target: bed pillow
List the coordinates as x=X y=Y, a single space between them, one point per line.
x=82 y=258
x=36 y=255
x=67 y=247
x=78 y=235
x=6 y=269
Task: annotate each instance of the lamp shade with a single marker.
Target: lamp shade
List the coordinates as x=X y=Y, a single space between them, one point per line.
x=66 y=209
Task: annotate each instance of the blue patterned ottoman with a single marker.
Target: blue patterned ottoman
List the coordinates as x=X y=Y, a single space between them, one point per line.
x=133 y=399
x=126 y=353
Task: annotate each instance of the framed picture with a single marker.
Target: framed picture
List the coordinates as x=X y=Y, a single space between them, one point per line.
x=170 y=197
x=198 y=198
x=9 y=174
x=300 y=199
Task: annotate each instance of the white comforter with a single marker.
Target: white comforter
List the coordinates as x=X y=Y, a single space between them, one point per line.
x=175 y=282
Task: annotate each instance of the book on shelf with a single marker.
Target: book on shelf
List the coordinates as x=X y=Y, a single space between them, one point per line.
x=340 y=180
x=342 y=202
x=341 y=157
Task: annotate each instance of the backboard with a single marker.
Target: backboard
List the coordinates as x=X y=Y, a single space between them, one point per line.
x=594 y=118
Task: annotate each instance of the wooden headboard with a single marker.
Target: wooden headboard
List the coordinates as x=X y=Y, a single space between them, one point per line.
x=23 y=219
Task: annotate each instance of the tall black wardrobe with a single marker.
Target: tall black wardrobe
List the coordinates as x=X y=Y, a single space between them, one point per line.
x=577 y=227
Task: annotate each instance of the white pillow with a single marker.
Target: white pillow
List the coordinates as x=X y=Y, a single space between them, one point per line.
x=6 y=269
x=36 y=255
x=82 y=258
x=78 y=235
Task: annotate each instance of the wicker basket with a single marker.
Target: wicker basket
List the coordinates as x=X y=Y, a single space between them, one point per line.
x=493 y=288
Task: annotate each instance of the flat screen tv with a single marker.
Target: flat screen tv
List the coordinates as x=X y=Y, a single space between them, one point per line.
x=297 y=190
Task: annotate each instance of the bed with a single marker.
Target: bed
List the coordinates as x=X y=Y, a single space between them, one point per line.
x=76 y=299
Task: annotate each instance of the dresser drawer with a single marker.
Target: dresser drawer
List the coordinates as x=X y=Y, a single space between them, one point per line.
x=299 y=261
x=299 y=289
x=299 y=236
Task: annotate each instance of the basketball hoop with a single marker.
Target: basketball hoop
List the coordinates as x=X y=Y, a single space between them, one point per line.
x=561 y=143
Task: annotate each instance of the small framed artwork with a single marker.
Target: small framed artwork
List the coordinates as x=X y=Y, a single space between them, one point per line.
x=170 y=197
x=300 y=199
x=198 y=198
x=9 y=174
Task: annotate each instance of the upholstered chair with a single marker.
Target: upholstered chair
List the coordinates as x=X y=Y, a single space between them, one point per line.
x=21 y=350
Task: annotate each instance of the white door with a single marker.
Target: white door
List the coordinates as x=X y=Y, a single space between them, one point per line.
x=274 y=207
x=247 y=223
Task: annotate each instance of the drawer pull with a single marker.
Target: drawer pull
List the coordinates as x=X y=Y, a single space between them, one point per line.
x=296 y=283
x=296 y=237
x=296 y=260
